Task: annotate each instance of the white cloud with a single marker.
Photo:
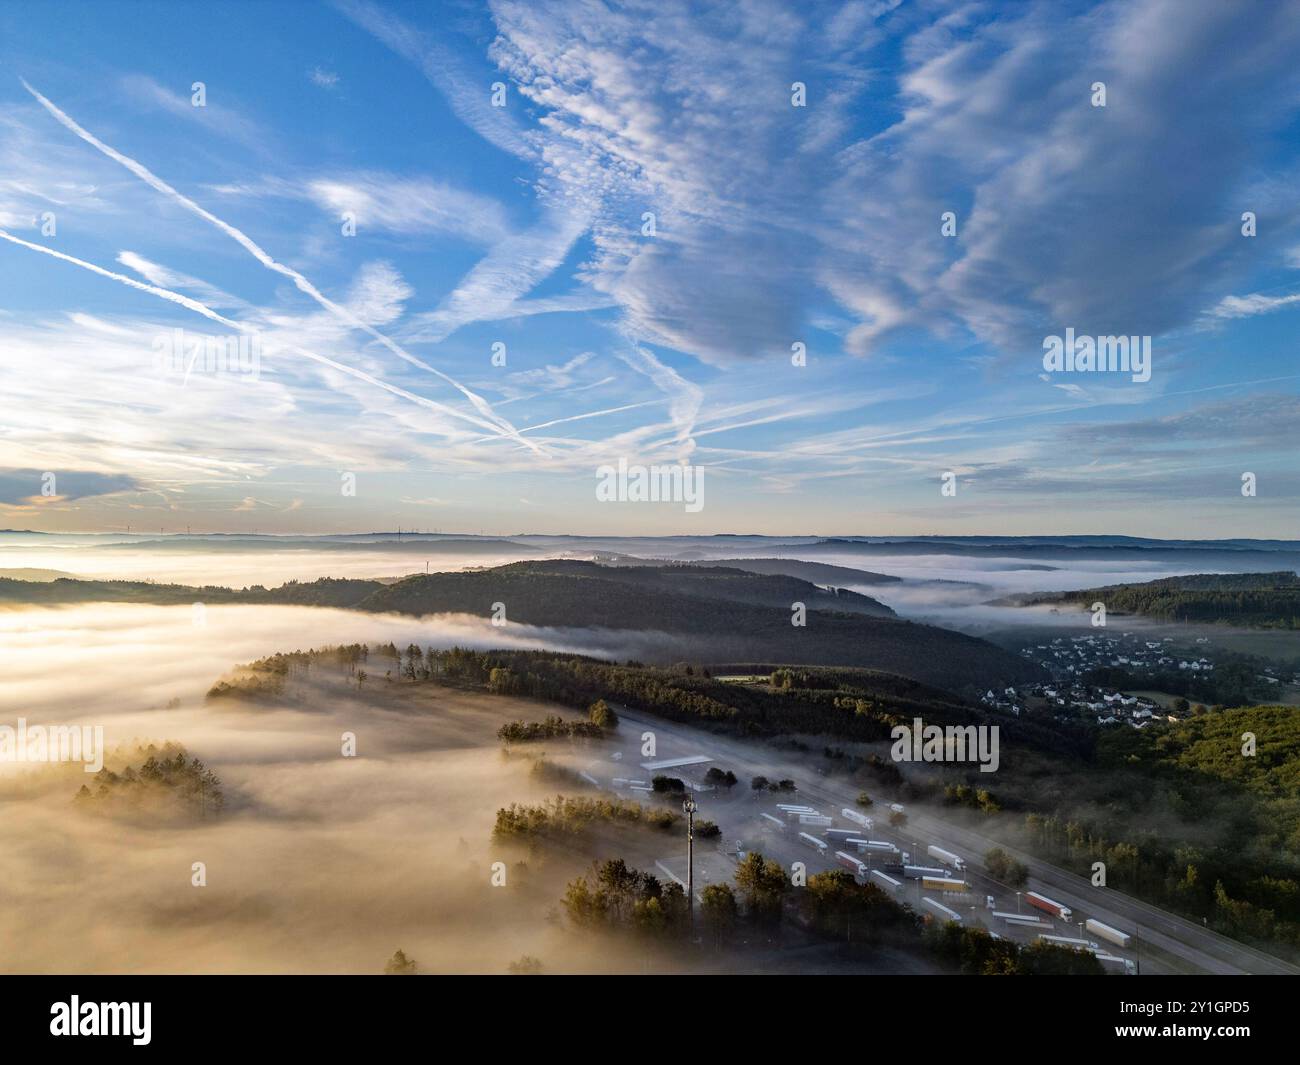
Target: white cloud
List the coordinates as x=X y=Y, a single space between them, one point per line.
x=410 y=206
x=1249 y=306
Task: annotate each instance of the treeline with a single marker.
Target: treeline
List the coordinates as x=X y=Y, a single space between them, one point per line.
x=977 y=953
x=167 y=775
x=1259 y=600
x=852 y=704
x=553 y=727
x=266 y=677
x=613 y=897
x=570 y=815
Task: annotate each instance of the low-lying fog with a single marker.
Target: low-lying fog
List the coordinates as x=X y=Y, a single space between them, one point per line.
x=320 y=863
x=239 y=569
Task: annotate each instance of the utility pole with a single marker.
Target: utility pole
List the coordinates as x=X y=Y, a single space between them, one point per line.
x=689 y=808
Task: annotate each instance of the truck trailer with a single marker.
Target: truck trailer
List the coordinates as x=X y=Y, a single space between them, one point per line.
x=1112 y=964
x=1023 y=920
x=812 y=841
x=940 y=883
x=1069 y=941
x=774 y=824
x=1042 y=902
x=1104 y=931
x=850 y=814
x=841 y=835
x=947 y=857
x=857 y=868
x=941 y=911
x=816 y=820
x=886 y=881
x=916 y=872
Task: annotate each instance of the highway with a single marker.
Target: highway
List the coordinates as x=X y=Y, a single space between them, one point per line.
x=1163 y=943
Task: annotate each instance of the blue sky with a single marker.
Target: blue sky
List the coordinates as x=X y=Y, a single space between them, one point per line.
x=775 y=225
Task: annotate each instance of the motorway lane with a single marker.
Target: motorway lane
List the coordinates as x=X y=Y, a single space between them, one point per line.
x=1198 y=948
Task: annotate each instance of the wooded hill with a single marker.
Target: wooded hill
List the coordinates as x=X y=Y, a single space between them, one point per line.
x=1258 y=600
x=721 y=614
x=823 y=573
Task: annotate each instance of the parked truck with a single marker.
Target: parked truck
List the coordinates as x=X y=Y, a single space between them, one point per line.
x=884 y=880
x=842 y=835
x=944 y=884
x=816 y=820
x=772 y=824
x=1069 y=941
x=947 y=857
x=916 y=872
x=941 y=911
x=852 y=864
x=1023 y=920
x=812 y=841
x=850 y=814
x=1042 y=902
x=1112 y=964
x=1104 y=931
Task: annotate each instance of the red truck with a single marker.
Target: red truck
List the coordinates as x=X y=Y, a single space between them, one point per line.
x=1042 y=902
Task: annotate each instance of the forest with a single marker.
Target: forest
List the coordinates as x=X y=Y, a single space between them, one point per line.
x=849 y=703
x=1255 y=600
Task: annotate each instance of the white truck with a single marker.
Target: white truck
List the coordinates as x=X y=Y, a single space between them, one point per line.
x=947 y=857
x=917 y=872
x=816 y=820
x=812 y=841
x=1023 y=920
x=842 y=835
x=771 y=824
x=941 y=911
x=1111 y=963
x=886 y=881
x=1069 y=941
x=1104 y=931
x=850 y=814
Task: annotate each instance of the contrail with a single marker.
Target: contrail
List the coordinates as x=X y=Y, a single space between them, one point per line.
x=208 y=312
x=582 y=417
x=303 y=285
